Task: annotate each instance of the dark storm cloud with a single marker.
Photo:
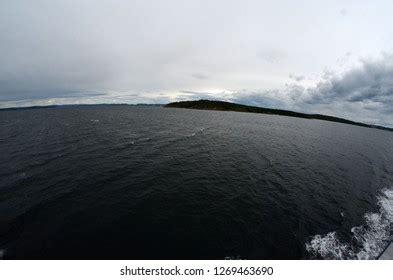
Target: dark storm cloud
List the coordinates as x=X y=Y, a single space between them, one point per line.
x=362 y=93
x=372 y=82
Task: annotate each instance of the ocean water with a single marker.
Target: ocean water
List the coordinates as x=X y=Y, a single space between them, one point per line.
x=130 y=182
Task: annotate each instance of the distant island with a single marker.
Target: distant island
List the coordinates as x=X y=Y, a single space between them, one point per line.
x=228 y=106
x=78 y=105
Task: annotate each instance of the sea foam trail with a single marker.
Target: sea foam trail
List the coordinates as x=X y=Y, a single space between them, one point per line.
x=369 y=240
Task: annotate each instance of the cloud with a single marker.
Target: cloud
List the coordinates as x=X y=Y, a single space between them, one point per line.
x=361 y=93
x=371 y=82
x=194 y=95
x=200 y=76
x=297 y=78
x=260 y=99
x=263 y=98
x=271 y=56
x=343 y=12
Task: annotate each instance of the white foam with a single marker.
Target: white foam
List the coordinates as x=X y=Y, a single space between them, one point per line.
x=196 y=132
x=327 y=246
x=369 y=240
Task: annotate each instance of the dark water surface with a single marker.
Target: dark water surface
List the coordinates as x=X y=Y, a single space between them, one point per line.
x=125 y=182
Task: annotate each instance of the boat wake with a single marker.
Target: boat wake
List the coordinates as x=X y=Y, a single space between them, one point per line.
x=368 y=241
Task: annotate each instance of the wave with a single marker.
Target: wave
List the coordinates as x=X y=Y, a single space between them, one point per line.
x=368 y=241
x=200 y=130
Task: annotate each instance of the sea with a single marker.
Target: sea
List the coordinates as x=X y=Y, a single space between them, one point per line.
x=148 y=182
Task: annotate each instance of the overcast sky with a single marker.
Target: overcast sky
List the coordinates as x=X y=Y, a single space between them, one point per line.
x=329 y=57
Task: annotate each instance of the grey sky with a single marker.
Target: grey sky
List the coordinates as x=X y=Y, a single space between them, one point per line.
x=316 y=56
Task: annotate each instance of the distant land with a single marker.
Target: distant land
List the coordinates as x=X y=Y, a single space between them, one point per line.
x=76 y=105
x=213 y=105
x=228 y=106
